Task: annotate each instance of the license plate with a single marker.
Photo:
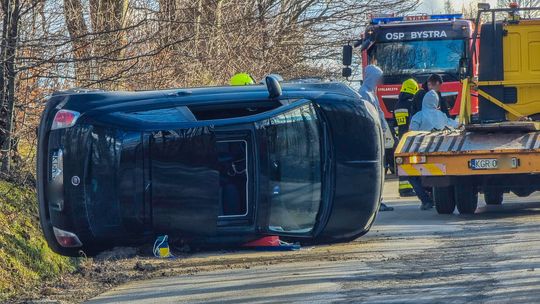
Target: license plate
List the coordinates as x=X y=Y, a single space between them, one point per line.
x=484 y=164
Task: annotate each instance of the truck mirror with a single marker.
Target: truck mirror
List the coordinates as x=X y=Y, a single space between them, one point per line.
x=346 y=72
x=347 y=55
x=483 y=6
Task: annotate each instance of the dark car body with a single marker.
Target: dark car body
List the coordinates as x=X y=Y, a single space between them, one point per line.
x=209 y=165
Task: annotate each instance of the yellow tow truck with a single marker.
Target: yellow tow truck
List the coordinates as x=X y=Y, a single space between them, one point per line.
x=499 y=151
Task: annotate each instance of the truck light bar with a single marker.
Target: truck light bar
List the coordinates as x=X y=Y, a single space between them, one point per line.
x=385 y=20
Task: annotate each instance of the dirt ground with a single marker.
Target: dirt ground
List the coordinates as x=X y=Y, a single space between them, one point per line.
x=410 y=256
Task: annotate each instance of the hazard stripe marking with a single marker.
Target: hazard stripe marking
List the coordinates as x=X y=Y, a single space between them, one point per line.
x=537 y=142
x=422 y=170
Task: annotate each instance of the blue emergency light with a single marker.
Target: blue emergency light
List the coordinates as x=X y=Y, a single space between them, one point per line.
x=385 y=20
x=446 y=17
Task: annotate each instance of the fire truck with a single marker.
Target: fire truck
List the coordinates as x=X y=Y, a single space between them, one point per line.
x=416 y=47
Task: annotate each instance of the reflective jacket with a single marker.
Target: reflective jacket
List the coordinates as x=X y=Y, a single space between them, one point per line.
x=403 y=112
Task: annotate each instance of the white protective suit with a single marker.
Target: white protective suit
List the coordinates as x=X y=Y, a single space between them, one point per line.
x=372 y=75
x=431 y=118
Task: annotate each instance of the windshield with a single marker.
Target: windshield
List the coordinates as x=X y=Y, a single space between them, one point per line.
x=413 y=58
x=295 y=166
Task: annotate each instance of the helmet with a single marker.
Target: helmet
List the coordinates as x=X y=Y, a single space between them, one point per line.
x=241 y=79
x=409 y=86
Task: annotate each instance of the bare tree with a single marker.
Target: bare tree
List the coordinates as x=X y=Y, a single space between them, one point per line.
x=522 y=3
x=448 y=9
x=51 y=45
x=12 y=10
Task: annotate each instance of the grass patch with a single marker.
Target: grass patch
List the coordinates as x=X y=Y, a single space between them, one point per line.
x=25 y=258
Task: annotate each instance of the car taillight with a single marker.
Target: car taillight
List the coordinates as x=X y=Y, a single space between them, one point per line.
x=66 y=238
x=64 y=119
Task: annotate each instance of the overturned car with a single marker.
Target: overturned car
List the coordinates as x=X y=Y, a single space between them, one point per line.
x=216 y=165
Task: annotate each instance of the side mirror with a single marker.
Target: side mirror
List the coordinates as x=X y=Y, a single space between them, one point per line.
x=347 y=55
x=346 y=72
x=273 y=87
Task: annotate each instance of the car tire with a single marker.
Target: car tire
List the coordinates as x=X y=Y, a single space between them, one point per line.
x=466 y=198
x=493 y=197
x=444 y=199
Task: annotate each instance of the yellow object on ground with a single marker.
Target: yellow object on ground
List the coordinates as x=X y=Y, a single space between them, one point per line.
x=404 y=185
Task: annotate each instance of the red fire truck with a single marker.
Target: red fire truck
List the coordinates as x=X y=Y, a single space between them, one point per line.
x=418 y=46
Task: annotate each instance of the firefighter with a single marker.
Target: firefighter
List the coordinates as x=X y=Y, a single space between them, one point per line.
x=241 y=79
x=402 y=119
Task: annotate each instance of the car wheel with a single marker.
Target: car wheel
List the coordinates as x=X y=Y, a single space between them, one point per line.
x=493 y=197
x=443 y=197
x=466 y=198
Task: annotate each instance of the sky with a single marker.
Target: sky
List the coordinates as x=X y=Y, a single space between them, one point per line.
x=437 y=6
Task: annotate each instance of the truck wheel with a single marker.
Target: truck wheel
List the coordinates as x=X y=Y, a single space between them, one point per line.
x=445 y=202
x=493 y=197
x=466 y=198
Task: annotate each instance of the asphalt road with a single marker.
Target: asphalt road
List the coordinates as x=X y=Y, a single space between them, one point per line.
x=410 y=256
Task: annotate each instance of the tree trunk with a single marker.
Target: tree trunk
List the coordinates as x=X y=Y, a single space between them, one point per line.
x=108 y=18
x=8 y=73
x=81 y=47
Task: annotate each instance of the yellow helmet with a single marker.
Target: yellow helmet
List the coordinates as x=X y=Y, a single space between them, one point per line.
x=241 y=79
x=410 y=86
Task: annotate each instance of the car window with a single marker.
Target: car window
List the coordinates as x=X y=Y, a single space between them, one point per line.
x=295 y=170
x=172 y=114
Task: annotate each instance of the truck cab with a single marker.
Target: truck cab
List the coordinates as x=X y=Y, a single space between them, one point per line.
x=416 y=47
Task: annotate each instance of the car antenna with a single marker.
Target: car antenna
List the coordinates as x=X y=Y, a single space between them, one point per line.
x=273 y=87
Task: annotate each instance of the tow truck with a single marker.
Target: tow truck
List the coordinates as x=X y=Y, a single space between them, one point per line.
x=500 y=152
x=416 y=47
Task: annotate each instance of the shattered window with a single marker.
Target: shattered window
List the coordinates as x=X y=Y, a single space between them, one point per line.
x=295 y=170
